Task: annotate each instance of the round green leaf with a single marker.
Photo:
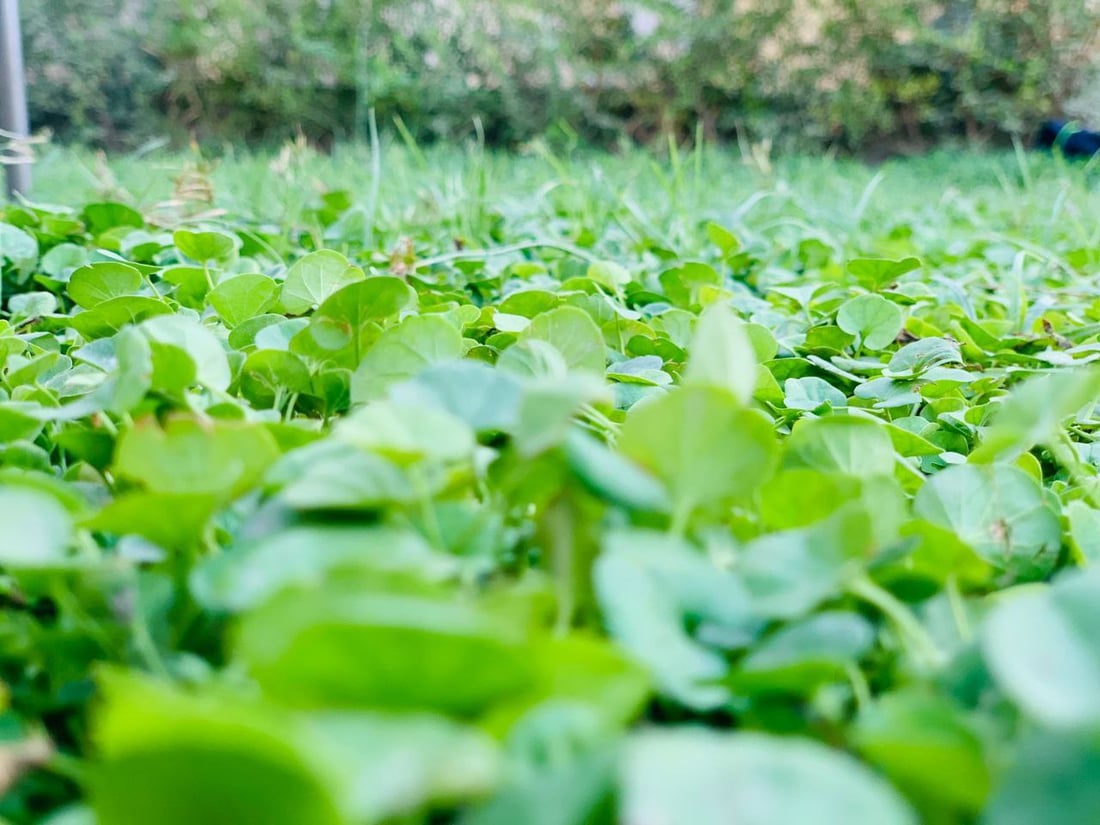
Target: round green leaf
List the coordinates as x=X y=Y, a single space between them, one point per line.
x=92 y=284
x=722 y=354
x=314 y=277
x=194 y=456
x=712 y=778
x=205 y=246
x=35 y=529
x=702 y=443
x=998 y=510
x=874 y=319
x=404 y=351
x=857 y=447
x=238 y=763
x=304 y=555
x=926 y=745
x=570 y=331
x=345 y=648
x=1053 y=779
x=243 y=297
x=804 y=655
x=211 y=367
x=1042 y=649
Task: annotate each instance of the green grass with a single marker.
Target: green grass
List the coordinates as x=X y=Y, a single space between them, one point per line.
x=443 y=485
x=1036 y=197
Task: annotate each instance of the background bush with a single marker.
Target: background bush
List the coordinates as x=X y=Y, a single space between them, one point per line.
x=855 y=73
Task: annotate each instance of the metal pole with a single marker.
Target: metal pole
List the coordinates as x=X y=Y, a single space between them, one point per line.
x=13 y=93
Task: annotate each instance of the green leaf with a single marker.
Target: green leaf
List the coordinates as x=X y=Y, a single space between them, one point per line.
x=811 y=393
x=205 y=246
x=92 y=284
x=271 y=376
x=64 y=256
x=248 y=575
x=487 y=399
x=1054 y=779
x=279 y=335
x=704 y=777
x=103 y=216
x=36 y=530
x=998 y=510
x=874 y=319
x=17 y=247
x=581 y=792
x=404 y=351
x=396 y=766
x=857 y=447
x=31 y=305
x=703 y=444
x=802 y=656
x=722 y=238
x=682 y=283
x=927 y=746
x=918 y=357
x=236 y=760
x=609 y=274
x=18 y=422
x=407 y=434
x=314 y=277
x=1084 y=531
x=788 y=574
x=1035 y=411
x=205 y=351
x=648 y=584
x=242 y=297
x=192 y=456
x=722 y=354
x=1041 y=647
x=308 y=649
x=109 y=317
x=342 y=478
x=548 y=407
x=876 y=273
x=346 y=320
x=940 y=555
x=571 y=332
x=612 y=477
x=801 y=496
x=173 y=521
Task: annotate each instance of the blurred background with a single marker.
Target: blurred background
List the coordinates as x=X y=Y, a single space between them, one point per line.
x=862 y=76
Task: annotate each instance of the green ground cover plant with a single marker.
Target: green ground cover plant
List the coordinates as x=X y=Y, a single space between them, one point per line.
x=424 y=487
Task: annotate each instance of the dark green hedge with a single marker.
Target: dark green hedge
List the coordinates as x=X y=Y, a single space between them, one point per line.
x=798 y=72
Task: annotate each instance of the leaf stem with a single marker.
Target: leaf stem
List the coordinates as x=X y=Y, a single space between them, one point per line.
x=560 y=534
x=861 y=691
x=958 y=609
x=913 y=634
x=427 y=510
x=680 y=517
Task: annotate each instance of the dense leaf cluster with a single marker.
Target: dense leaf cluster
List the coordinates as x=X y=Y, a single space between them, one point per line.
x=292 y=534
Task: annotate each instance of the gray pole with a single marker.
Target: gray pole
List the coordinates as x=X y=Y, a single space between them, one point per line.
x=13 y=92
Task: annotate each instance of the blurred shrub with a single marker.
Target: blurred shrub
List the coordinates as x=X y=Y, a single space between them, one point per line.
x=92 y=70
x=798 y=72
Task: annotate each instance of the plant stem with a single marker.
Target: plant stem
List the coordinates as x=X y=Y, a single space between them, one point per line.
x=861 y=691
x=958 y=609
x=560 y=526
x=913 y=634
